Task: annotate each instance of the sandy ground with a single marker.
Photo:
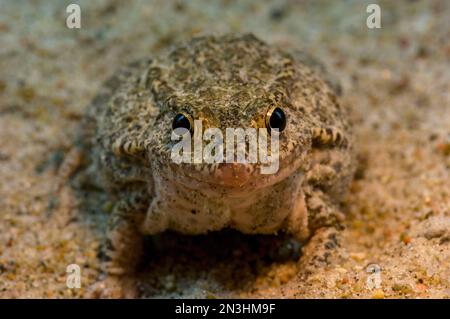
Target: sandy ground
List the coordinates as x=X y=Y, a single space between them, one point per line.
x=396 y=80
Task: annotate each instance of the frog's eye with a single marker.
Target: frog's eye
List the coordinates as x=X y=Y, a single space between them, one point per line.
x=275 y=119
x=183 y=120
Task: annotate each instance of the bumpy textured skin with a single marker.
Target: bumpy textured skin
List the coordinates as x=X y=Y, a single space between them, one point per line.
x=225 y=81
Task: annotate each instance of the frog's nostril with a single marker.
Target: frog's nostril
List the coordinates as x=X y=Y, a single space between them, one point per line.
x=233 y=174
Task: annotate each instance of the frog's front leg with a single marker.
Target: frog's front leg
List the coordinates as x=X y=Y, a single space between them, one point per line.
x=327 y=179
x=123 y=248
x=324 y=185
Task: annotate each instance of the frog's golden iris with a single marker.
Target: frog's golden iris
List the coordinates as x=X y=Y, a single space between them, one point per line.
x=183 y=120
x=275 y=119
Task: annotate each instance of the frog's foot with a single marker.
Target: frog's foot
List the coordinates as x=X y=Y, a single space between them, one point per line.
x=122 y=249
x=321 y=251
x=114 y=287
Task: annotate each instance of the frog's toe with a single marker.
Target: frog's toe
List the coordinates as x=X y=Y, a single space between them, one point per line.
x=322 y=251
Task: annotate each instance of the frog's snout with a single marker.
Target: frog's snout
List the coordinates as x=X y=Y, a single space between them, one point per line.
x=233 y=174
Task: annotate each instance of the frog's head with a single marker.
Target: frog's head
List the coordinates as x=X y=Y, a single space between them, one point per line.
x=230 y=83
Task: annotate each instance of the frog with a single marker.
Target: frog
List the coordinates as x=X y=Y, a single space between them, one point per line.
x=224 y=81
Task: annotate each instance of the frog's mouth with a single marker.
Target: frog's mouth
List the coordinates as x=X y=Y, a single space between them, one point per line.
x=232 y=178
x=233 y=174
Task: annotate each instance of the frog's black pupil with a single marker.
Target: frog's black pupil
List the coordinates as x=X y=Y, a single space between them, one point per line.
x=181 y=120
x=278 y=119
